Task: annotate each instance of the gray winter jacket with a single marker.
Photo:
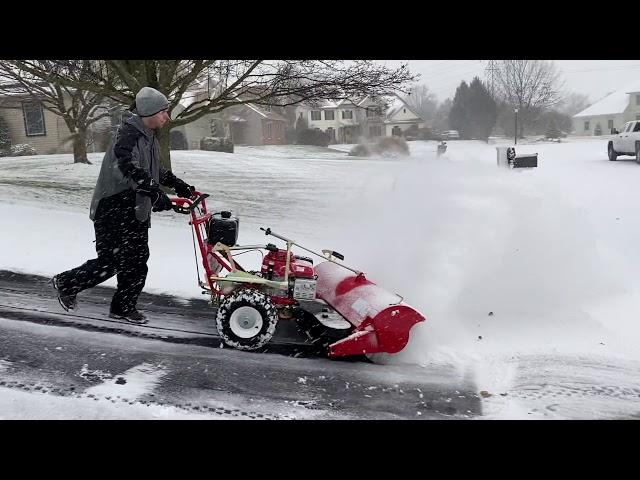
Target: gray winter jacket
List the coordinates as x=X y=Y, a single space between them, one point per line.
x=135 y=155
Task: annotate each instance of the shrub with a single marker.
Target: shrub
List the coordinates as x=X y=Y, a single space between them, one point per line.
x=312 y=137
x=216 y=144
x=360 y=150
x=392 y=145
x=385 y=146
x=5 y=139
x=22 y=149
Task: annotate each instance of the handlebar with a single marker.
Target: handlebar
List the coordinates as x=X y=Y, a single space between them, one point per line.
x=192 y=203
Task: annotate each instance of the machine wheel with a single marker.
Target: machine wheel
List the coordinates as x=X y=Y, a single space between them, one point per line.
x=246 y=319
x=638 y=152
x=613 y=155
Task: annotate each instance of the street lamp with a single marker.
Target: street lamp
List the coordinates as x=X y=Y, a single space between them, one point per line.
x=515 y=134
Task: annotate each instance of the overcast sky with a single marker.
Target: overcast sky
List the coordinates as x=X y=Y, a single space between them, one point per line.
x=595 y=78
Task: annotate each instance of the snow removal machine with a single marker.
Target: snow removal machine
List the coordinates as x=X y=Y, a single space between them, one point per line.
x=337 y=309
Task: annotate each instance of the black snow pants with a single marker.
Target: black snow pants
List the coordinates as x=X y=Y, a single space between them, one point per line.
x=122 y=244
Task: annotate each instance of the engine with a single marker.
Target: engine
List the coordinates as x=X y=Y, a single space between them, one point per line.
x=302 y=279
x=223 y=228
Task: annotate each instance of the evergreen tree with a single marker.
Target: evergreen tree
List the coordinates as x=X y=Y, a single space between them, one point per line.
x=458 y=116
x=301 y=124
x=474 y=111
x=5 y=139
x=552 y=130
x=482 y=110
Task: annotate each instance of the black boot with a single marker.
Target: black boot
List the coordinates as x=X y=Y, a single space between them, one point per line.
x=133 y=316
x=68 y=302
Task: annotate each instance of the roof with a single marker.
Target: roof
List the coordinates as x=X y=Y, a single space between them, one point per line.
x=396 y=104
x=326 y=104
x=613 y=103
x=235 y=118
x=265 y=114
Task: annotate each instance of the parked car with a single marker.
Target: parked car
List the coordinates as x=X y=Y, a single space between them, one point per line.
x=450 y=135
x=626 y=141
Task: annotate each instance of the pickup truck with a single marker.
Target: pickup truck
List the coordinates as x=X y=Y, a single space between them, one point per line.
x=626 y=141
x=450 y=135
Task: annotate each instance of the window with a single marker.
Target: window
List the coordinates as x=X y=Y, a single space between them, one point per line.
x=629 y=127
x=404 y=110
x=347 y=114
x=637 y=127
x=33 y=119
x=316 y=115
x=373 y=111
x=586 y=125
x=268 y=133
x=375 y=130
x=329 y=114
x=610 y=125
x=332 y=134
x=637 y=116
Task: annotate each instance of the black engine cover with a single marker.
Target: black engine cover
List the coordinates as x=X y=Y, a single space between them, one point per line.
x=223 y=229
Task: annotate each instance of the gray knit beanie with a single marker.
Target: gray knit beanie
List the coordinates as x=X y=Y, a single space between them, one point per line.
x=150 y=101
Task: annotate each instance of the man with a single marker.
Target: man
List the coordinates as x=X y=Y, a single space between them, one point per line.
x=127 y=190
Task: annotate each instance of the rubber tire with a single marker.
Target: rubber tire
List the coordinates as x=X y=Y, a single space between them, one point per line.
x=247 y=297
x=613 y=155
x=638 y=153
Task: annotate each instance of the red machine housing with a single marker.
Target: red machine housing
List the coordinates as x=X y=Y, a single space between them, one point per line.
x=382 y=322
x=275 y=264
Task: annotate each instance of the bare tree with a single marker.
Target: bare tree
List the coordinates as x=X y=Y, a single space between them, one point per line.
x=227 y=83
x=441 y=119
x=78 y=108
x=574 y=103
x=532 y=86
x=422 y=101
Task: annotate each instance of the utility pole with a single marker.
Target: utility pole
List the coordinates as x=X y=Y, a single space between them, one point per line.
x=490 y=76
x=515 y=135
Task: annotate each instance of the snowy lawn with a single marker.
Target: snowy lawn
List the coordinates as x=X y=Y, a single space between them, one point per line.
x=502 y=262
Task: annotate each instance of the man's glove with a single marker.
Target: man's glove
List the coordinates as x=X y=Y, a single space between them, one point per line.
x=183 y=189
x=146 y=186
x=163 y=202
x=159 y=200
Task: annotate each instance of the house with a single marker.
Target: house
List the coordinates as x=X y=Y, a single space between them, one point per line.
x=251 y=124
x=400 y=118
x=345 y=120
x=245 y=124
x=28 y=122
x=612 y=111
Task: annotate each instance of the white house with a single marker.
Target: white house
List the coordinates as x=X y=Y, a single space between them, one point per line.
x=400 y=117
x=612 y=111
x=345 y=120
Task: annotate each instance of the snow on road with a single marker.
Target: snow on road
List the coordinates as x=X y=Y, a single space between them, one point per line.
x=510 y=267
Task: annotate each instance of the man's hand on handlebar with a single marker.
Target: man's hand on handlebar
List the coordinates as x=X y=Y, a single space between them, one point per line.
x=199 y=197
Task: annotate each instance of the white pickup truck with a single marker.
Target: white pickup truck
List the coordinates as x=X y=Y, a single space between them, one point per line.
x=626 y=141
